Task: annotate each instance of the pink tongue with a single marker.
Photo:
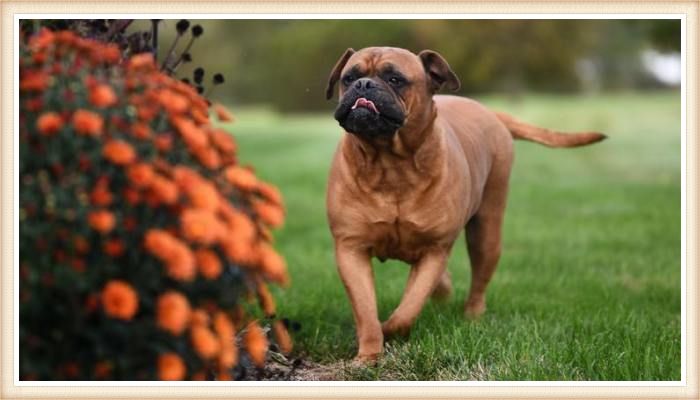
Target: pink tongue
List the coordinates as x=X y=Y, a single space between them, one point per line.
x=362 y=102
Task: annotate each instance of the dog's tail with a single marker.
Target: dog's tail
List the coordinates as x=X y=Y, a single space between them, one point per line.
x=547 y=137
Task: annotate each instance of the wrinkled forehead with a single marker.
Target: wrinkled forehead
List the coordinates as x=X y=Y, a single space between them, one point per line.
x=373 y=60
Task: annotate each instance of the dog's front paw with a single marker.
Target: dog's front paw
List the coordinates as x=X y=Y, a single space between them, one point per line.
x=365 y=360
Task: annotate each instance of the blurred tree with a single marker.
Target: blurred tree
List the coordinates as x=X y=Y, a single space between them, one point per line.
x=285 y=63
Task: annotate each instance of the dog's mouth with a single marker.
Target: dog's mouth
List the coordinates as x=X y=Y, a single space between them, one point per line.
x=378 y=117
x=362 y=102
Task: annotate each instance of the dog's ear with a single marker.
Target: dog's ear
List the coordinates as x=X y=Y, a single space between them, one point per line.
x=438 y=71
x=335 y=74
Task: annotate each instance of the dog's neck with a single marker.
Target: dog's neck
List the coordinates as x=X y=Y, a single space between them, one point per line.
x=406 y=159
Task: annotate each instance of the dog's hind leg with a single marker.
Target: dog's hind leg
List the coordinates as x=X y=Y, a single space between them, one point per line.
x=443 y=290
x=483 y=233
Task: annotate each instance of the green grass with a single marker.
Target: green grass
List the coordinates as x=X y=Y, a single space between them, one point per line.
x=588 y=287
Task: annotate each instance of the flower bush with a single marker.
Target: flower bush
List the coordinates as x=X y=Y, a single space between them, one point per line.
x=143 y=242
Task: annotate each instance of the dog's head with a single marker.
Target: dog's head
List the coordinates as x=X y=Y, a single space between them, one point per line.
x=383 y=89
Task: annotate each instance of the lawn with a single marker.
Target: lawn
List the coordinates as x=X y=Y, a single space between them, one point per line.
x=589 y=284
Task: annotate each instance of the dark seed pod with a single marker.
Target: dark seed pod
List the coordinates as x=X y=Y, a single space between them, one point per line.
x=197 y=30
x=186 y=57
x=182 y=26
x=218 y=79
x=198 y=75
x=200 y=89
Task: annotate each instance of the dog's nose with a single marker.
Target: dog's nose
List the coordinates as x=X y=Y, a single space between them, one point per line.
x=364 y=84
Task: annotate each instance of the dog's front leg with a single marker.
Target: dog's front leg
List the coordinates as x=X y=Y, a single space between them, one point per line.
x=355 y=269
x=423 y=278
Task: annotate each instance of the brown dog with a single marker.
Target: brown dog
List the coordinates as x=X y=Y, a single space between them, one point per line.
x=414 y=170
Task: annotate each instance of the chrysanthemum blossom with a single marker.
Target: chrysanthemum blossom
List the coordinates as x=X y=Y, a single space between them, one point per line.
x=119 y=300
x=171 y=367
x=173 y=312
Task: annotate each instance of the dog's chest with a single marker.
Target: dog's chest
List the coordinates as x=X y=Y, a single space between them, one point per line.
x=405 y=232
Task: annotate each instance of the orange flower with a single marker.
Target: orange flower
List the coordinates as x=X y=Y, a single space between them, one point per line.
x=204 y=195
x=273 y=265
x=208 y=157
x=66 y=37
x=270 y=214
x=141 y=61
x=270 y=193
x=180 y=265
x=77 y=264
x=70 y=370
x=113 y=247
x=131 y=195
x=223 y=141
x=224 y=376
x=208 y=263
x=200 y=317
x=242 y=228
x=199 y=376
x=119 y=300
x=163 y=142
x=265 y=299
x=284 y=341
x=102 y=221
x=224 y=329
x=173 y=102
x=240 y=252
x=49 y=123
x=256 y=343
x=140 y=130
x=164 y=189
x=222 y=113
x=101 y=196
x=228 y=357
x=87 y=123
x=241 y=177
x=193 y=136
x=81 y=245
x=171 y=367
x=200 y=226
x=102 y=370
x=34 y=81
x=111 y=54
x=199 y=116
x=44 y=38
x=173 y=312
x=119 y=152
x=102 y=96
x=140 y=175
x=160 y=243
x=146 y=112
x=178 y=258
x=205 y=343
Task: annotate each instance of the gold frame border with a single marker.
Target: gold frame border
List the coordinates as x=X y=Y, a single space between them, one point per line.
x=8 y=8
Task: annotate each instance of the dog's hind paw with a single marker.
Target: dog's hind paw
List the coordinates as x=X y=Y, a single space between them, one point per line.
x=474 y=309
x=443 y=289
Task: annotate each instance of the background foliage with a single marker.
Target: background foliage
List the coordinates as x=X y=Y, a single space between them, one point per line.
x=285 y=63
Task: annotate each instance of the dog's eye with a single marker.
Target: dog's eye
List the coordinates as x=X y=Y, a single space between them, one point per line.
x=348 y=79
x=395 y=80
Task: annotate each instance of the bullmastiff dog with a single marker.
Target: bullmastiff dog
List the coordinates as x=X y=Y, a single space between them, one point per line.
x=412 y=172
